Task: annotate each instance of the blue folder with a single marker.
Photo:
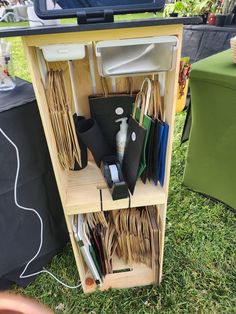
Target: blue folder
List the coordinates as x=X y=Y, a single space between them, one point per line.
x=162 y=153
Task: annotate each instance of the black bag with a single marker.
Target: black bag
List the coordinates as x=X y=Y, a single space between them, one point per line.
x=149 y=152
x=154 y=140
x=134 y=145
x=108 y=108
x=90 y=134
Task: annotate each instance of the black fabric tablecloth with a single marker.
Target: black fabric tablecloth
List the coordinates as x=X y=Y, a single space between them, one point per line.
x=202 y=41
x=20 y=230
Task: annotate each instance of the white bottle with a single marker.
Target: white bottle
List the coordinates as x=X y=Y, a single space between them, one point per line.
x=121 y=138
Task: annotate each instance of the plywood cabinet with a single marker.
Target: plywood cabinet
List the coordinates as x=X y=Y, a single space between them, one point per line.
x=86 y=191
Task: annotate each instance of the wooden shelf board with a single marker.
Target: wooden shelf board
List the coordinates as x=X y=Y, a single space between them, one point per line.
x=147 y=194
x=83 y=193
x=139 y=275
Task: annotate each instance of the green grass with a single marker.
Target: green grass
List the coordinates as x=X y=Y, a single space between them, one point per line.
x=73 y=20
x=200 y=255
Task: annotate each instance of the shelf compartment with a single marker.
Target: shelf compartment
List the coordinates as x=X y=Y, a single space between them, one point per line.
x=87 y=192
x=129 y=274
x=138 y=275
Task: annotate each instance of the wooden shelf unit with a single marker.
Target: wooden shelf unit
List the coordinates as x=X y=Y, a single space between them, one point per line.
x=85 y=191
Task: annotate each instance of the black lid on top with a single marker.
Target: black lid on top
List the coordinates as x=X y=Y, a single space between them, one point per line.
x=93 y=10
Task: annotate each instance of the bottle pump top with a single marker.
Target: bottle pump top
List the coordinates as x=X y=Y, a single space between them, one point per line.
x=124 y=124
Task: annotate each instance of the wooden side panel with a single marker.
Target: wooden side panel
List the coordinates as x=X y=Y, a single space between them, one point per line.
x=170 y=109
x=162 y=225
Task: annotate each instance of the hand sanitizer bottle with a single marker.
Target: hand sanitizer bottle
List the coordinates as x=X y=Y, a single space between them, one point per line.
x=121 y=138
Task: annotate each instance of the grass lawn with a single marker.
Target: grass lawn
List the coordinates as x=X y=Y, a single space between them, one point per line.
x=200 y=255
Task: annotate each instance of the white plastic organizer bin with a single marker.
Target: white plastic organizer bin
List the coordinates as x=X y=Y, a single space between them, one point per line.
x=63 y=52
x=136 y=56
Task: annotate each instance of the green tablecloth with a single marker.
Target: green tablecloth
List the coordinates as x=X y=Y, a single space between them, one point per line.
x=211 y=158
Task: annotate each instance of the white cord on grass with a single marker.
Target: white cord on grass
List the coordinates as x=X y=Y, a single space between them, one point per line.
x=22 y=275
x=19 y=17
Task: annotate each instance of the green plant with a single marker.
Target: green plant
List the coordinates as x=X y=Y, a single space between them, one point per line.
x=169 y=8
x=176 y=7
x=198 y=7
x=191 y=7
x=204 y=6
x=179 y=6
x=228 y=6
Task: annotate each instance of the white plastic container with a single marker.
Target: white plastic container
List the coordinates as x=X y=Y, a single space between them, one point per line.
x=63 y=52
x=136 y=56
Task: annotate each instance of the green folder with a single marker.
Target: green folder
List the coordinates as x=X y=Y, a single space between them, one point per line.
x=147 y=125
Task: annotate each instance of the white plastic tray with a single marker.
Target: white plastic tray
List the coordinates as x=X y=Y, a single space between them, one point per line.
x=136 y=56
x=63 y=52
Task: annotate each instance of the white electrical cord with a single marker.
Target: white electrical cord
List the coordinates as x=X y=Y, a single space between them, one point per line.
x=18 y=17
x=22 y=275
